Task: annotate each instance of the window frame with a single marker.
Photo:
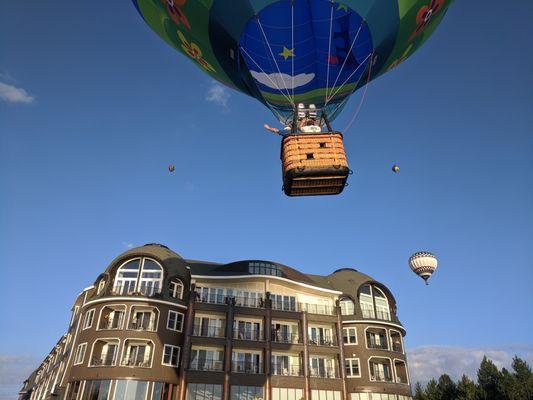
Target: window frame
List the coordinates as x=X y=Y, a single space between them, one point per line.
x=78 y=349
x=350 y=360
x=173 y=288
x=176 y=321
x=90 y=313
x=349 y=343
x=119 y=288
x=173 y=348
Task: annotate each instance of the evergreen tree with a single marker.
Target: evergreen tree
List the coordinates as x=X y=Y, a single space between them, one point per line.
x=419 y=392
x=466 y=389
x=488 y=378
x=523 y=379
x=431 y=390
x=446 y=388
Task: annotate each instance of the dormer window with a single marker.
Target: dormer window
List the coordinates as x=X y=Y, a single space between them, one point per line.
x=101 y=285
x=374 y=303
x=176 y=289
x=347 y=307
x=141 y=275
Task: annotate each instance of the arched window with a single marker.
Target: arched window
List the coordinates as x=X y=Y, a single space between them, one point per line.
x=347 y=307
x=142 y=275
x=374 y=303
x=176 y=289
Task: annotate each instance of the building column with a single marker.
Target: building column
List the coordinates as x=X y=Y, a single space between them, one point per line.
x=186 y=346
x=230 y=316
x=340 y=342
x=268 y=353
x=307 y=394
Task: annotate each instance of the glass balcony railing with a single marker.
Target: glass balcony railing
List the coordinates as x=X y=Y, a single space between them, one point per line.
x=206 y=365
x=247 y=334
x=281 y=337
x=286 y=370
x=323 y=341
x=249 y=302
x=317 y=309
x=331 y=373
x=247 y=367
x=208 y=331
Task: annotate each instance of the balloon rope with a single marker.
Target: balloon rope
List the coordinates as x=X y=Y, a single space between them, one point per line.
x=267 y=75
x=347 y=79
x=345 y=59
x=292 y=58
x=329 y=49
x=272 y=54
x=360 y=102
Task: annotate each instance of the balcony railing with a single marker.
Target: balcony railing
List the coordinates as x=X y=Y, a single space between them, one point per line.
x=135 y=363
x=247 y=334
x=142 y=326
x=376 y=314
x=206 y=365
x=211 y=299
x=208 y=331
x=247 y=367
x=397 y=347
x=102 y=362
x=281 y=337
x=323 y=341
x=380 y=378
x=123 y=290
x=249 y=302
x=324 y=373
x=286 y=370
x=317 y=309
x=111 y=324
x=380 y=346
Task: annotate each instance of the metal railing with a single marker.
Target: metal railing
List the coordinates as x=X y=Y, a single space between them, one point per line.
x=324 y=341
x=111 y=324
x=211 y=299
x=246 y=367
x=102 y=362
x=284 y=306
x=208 y=331
x=380 y=378
x=141 y=326
x=281 y=337
x=380 y=346
x=248 y=334
x=249 y=302
x=286 y=370
x=206 y=365
x=376 y=314
x=317 y=309
x=122 y=290
x=324 y=373
x=135 y=363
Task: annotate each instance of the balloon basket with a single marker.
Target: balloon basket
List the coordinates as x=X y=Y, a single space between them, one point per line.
x=314 y=164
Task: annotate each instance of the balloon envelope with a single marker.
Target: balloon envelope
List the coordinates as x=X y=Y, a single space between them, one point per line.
x=283 y=52
x=423 y=264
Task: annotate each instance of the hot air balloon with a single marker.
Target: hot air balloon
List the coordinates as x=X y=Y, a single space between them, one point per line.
x=171 y=168
x=423 y=264
x=301 y=58
x=395 y=168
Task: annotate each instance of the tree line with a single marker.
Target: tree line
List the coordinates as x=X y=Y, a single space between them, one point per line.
x=492 y=384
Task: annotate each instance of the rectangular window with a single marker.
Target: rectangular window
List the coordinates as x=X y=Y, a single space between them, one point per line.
x=96 y=390
x=349 y=335
x=360 y=396
x=325 y=395
x=80 y=354
x=88 y=322
x=130 y=390
x=352 y=368
x=287 y=394
x=175 y=321
x=204 y=391
x=164 y=391
x=74 y=390
x=246 y=392
x=206 y=359
x=248 y=363
x=285 y=303
x=171 y=355
x=176 y=290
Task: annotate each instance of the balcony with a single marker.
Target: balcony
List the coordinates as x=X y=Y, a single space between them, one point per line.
x=381 y=378
x=246 y=367
x=377 y=314
x=208 y=331
x=286 y=370
x=379 y=346
x=207 y=365
x=317 y=309
x=102 y=362
x=135 y=363
x=142 y=326
x=280 y=337
x=247 y=334
x=113 y=324
x=330 y=373
x=323 y=341
x=249 y=302
x=126 y=290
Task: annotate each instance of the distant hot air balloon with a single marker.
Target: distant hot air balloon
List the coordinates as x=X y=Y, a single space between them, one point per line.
x=423 y=264
x=287 y=53
x=395 y=168
x=171 y=168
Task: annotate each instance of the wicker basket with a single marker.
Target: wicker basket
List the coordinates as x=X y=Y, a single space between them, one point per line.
x=313 y=164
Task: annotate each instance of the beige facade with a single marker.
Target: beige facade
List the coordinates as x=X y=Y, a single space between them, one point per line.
x=157 y=326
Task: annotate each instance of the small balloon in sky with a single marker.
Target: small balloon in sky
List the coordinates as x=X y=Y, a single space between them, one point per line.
x=423 y=263
x=171 y=168
x=395 y=168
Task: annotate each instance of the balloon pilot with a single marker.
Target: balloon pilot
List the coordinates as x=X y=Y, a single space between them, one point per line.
x=305 y=121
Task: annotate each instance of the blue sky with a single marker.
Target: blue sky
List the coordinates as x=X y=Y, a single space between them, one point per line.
x=101 y=106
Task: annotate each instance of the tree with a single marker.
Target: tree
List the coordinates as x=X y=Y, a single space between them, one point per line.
x=488 y=378
x=466 y=389
x=446 y=388
x=419 y=392
x=431 y=390
x=524 y=378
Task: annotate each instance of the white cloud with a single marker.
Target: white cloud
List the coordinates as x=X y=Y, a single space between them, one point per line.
x=14 y=369
x=218 y=94
x=127 y=244
x=13 y=94
x=432 y=361
x=282 y=81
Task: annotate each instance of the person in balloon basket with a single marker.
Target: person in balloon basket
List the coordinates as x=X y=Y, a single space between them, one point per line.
x=307 y=122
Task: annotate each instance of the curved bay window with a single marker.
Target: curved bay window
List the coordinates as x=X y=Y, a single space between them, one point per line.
x=380 y=369
x=374 y=303
x=141 y=275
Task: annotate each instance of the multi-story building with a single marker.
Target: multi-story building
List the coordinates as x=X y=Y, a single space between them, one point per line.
x=155 y=326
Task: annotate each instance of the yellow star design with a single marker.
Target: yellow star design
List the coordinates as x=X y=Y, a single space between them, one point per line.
x=286 y=53
x=342 y=7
